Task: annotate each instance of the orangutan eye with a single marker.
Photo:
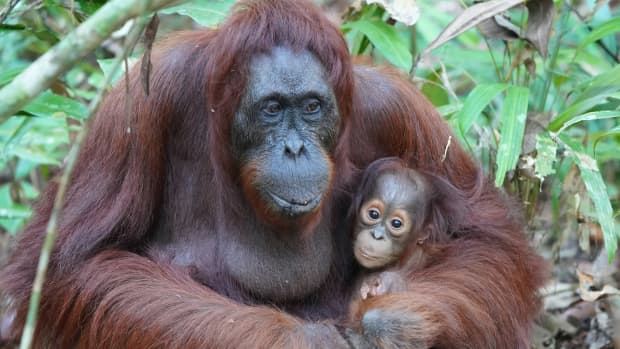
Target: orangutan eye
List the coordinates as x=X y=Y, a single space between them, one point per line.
x=373 y=214
x=396 y=223
x=272 y=108
x=312 y=106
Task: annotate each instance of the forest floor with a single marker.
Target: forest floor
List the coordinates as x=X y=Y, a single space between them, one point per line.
x=581 y=301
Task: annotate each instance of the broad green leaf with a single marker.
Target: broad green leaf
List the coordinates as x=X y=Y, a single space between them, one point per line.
x=7 y=75
x=29 y=191
x=595 y=115
x=48 y=104
x=24 y=168
x=18 y=131
x=514 y=115
x=385 y=39
x=207 y=13
x=545 y=155
x=14 y=212
x=12 y=215
x=37 y=156
x=605 y=29
x=475 y=103
x=598 y=193
x=13 y=218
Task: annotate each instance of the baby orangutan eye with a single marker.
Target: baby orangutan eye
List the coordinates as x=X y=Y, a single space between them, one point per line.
x=374 y=214
x=396 y=223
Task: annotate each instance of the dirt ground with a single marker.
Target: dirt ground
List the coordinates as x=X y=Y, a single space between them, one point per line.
x=581 y=300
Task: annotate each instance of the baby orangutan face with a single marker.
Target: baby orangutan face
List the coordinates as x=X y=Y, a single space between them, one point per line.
x=391 y=215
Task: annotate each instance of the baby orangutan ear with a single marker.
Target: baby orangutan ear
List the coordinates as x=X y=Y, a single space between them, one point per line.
x=420 y=241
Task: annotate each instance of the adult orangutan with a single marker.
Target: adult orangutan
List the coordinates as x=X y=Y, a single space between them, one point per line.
x=217 y=222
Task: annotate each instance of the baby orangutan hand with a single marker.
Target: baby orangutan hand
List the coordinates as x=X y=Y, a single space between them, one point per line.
x=382 y=283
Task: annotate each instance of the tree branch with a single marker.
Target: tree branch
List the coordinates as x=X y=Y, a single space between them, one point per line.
x=83 y=40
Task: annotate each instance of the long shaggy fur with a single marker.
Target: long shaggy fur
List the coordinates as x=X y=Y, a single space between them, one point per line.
x=174 y=172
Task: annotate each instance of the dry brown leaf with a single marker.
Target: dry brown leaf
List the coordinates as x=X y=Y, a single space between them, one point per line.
x=471 y=17
x=539 y=22
x=499 y=27
x=149 y=38
x=586 y=282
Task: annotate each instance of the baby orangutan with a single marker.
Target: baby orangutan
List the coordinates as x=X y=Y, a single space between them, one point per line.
x=393 y=222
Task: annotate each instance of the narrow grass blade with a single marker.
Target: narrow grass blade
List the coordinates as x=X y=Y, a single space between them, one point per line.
x=605 y=29
x=514 y=115
x=589 y=94
x=475 y=103
x=597 y=191
x=595 y=115
x=611 y=132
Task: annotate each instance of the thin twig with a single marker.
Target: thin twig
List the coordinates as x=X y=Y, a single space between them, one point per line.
x=84 y=39
x=52 y=224
x=445 y=152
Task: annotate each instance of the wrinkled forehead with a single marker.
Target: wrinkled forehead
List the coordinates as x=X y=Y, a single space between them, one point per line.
x=287 y=72
x=397 y=189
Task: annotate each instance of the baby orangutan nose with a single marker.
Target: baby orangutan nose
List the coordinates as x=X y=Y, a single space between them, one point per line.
x=377 y=234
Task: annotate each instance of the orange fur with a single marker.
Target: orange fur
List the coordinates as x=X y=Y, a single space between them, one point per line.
x=174 y=174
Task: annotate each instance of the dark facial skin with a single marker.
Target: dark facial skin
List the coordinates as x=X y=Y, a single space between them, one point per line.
x=390 y=217
x=285 y=130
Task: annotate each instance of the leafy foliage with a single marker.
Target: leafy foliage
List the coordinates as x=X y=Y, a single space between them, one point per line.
x=531 y=99
x=512 y=88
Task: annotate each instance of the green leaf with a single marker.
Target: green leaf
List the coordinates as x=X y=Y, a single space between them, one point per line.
x=611 y=132
x=90 y=6
x=606 y=82
x=514 y=115
x=7 y=75
x=205 y=12
x=598 y=193
x=475 y=103
x=24 y=168
x=605 y=29
x=12 y=215
x=591 y=93
x=545 y=155
x=14 y=212
x=595 y=115
x=449 y=109
x=39 y=157
x=385 y=38
x=48 y=103
x=18 y=131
